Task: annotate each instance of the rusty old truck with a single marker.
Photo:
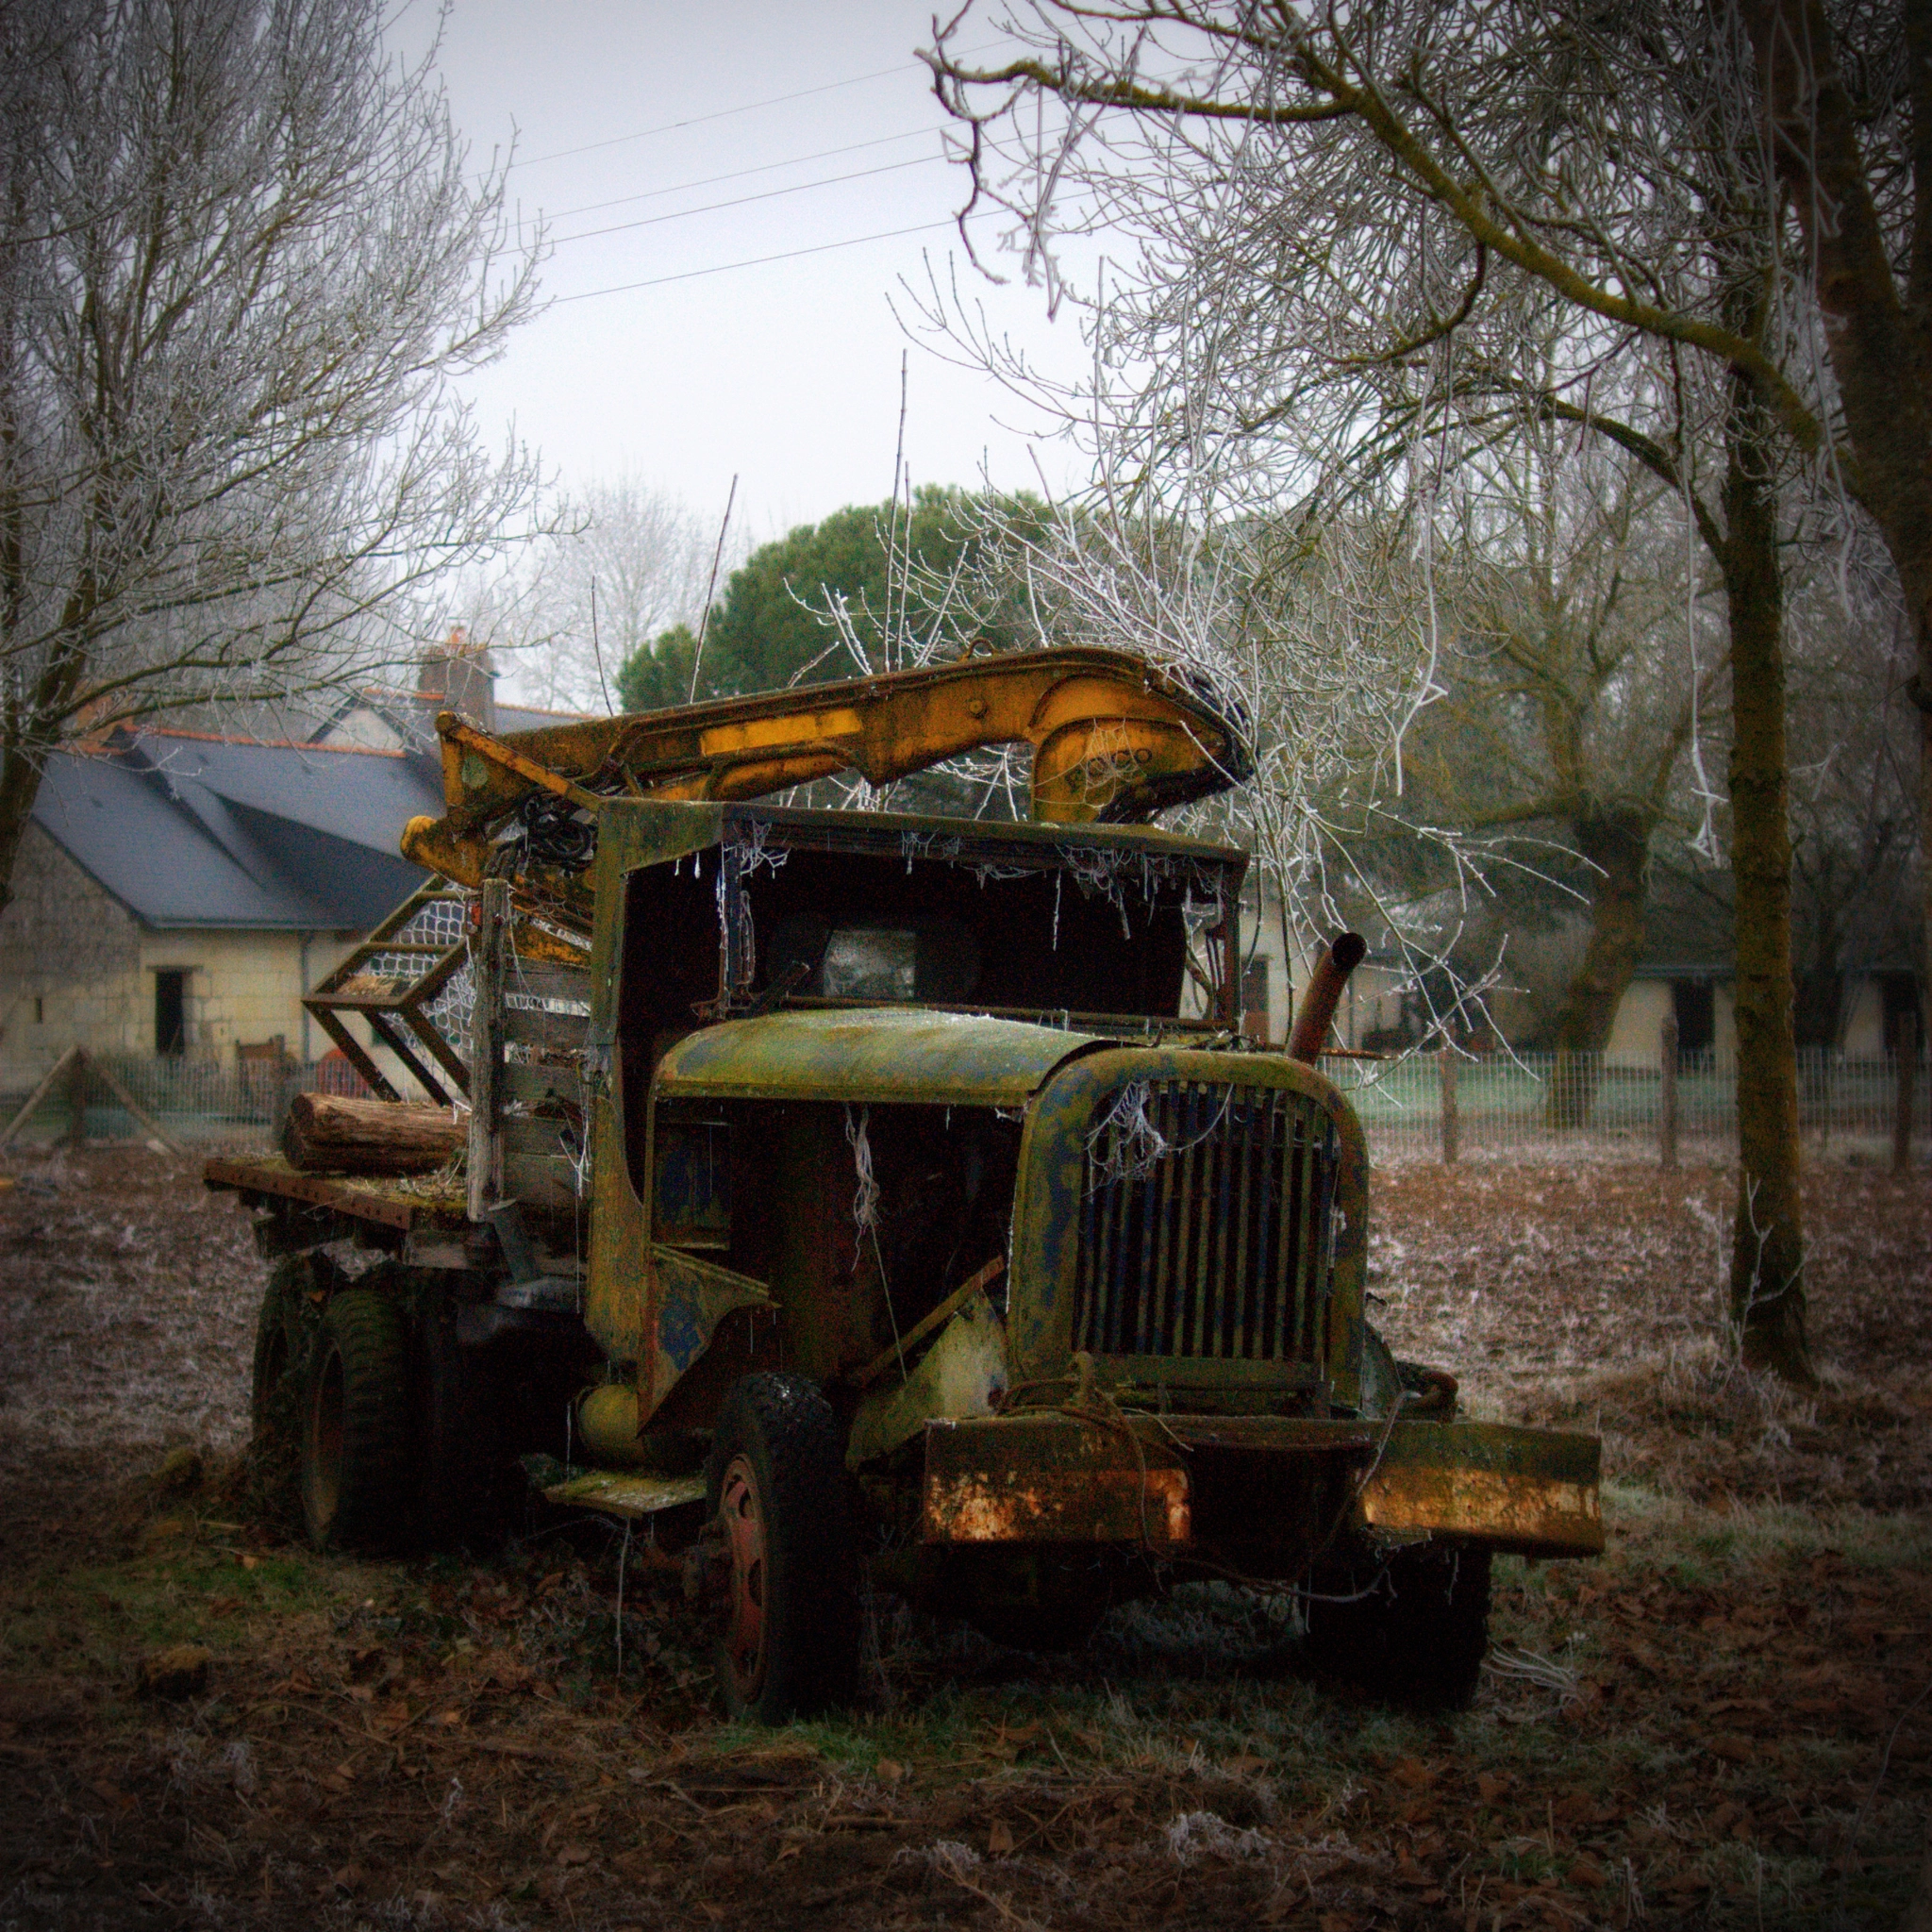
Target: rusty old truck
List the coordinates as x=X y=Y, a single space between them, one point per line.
x=877 y=1200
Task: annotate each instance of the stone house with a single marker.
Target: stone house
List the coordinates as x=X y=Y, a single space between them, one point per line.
x=178 y=892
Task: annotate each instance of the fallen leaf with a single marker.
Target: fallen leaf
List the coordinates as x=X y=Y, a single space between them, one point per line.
x=1408 y=1872
x=1489 y=1788
x=891 y=1771
x=1245 y=1765
x=575 y=1855
x=999 y=1839
x=1588 y=1873
x=1413 y=1772
x=1732 y=1748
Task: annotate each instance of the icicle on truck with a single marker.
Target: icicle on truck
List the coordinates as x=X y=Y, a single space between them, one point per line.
x=855 y=1194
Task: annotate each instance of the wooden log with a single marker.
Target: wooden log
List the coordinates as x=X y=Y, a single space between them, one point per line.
x=329 y=1134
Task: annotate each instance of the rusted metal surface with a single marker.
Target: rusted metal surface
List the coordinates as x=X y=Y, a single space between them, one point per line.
x=628 y=1494
x=686 y=1299
x=1114 y=739
x=965 y=1373
x=1051 y=1479
x=879 y=1055
x=1322 y=995
x=1533 y=1492
x=1258 y=1167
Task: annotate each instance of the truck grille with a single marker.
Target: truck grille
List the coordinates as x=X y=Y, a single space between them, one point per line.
x=1205 y=1224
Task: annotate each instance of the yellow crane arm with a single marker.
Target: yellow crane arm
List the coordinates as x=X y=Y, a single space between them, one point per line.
x=1113 y=740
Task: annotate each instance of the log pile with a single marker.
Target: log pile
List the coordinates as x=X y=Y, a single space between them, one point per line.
x=329 y=1134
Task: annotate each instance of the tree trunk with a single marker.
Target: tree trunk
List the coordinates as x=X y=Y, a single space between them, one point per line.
x=329 y=1134
x=1877 y=334
x=20 y=785
x=1617 y=846
x=1768 y=1253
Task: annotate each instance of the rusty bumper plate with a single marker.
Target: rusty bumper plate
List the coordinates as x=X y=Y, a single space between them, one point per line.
x=1533 y=1492
x=1051 y=1479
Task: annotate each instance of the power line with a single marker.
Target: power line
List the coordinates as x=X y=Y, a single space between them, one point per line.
x=691 y=274
x=824 y=154
x=718 y=114
x=711 y=208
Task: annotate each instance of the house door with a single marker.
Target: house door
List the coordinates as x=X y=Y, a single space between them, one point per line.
x=170 y=1010
x=1696 y=1010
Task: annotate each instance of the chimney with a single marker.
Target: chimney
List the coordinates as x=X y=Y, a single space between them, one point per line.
x=459 y=679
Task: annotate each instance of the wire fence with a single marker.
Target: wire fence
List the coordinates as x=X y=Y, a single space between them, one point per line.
x=1525 y=1107
x=192 y=1100
x=1586 y=1107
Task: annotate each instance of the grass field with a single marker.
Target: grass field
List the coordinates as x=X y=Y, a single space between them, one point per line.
x=1724 y=1723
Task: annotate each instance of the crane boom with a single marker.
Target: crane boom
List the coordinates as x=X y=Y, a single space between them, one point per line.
x=1114 y=739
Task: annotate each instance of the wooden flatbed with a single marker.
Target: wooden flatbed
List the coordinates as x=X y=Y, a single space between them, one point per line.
x=410 y=1202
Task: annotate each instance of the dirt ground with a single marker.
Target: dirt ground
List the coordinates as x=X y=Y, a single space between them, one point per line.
x=1728 y=1721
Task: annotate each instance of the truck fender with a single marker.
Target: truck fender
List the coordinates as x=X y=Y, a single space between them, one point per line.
x=965 y=1372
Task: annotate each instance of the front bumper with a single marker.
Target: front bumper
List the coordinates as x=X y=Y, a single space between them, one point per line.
x=1219 y=1486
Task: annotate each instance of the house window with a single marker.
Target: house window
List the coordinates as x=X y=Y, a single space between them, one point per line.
x=170 y=1010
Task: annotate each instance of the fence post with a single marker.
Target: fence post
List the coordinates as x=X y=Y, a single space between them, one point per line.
x=1452 y=1134
x=1907 y=1042
x=77 y=1100
x=1667 y=1093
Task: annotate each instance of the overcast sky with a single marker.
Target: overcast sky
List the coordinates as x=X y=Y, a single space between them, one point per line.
x=697 y=138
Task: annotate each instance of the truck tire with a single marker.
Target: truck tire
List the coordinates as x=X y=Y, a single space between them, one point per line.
x=1416 y=1630
x=356 y=1426
x=459 y=1430
x=285 y=1329
x=783 y=1590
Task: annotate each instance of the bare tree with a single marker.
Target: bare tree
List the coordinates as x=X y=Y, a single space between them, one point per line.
x=629 y=562
x=1846 y=97
x=1348 y=224
x=1855 y=776
x=244 y=259
x=1570 y=699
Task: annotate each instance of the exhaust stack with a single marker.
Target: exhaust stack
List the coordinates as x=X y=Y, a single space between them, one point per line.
x=1322 y=995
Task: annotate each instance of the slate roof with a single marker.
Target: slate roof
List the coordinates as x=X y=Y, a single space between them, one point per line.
x=188 y=830
x=413 y=714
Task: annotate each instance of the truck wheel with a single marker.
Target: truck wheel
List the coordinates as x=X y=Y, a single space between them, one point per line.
x=459 y=1427
x=356 y=1426
x=783 y=1570
x=284 y=1333
x=1417 y=1632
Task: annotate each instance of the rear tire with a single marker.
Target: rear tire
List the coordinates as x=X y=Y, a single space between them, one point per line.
x=459 y=1421
x=356 y=1426
x=285 y=1331
x=784 y=1594
x=1416 y=1630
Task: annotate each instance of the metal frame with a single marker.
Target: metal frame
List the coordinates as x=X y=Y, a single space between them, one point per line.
x=402 y=1002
